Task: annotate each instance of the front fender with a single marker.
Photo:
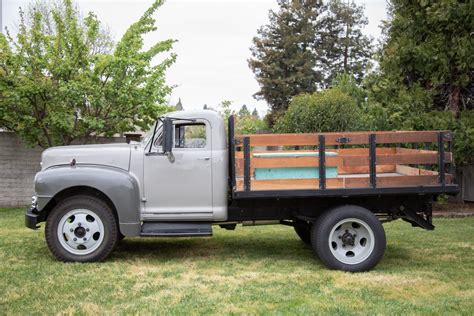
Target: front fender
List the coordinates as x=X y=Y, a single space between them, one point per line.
x=117 y=184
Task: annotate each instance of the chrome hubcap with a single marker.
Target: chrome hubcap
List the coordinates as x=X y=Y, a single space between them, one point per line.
x=351 y=241
x=80 y=231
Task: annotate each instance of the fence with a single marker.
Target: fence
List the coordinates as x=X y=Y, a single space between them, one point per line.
x=18 y=165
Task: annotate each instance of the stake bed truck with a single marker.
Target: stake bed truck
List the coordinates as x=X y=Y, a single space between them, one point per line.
x=335 y=189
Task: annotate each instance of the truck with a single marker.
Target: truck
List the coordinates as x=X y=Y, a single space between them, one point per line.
x=192 y=173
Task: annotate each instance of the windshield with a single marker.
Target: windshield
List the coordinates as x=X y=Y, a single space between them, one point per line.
x=158 y=134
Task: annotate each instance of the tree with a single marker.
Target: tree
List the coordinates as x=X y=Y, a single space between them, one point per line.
x=61 y=79
x=225 y=110
x=283 y=58
x=255 y=113
x=429 y=44
x=303 y=48
x=342 y=47
x=243 y=112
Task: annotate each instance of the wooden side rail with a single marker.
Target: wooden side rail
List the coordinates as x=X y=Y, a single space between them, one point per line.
x=387 y=158
x=351 y=138
x=370 y=165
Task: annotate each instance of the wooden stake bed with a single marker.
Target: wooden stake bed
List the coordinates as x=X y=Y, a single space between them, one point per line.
x=362 y=160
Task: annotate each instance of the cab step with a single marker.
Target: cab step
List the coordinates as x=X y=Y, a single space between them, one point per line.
x=175 y=229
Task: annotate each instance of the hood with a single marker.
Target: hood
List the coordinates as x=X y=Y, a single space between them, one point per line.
x=113 y=155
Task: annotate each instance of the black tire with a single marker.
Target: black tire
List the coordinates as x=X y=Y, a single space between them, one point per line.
x=97 y=207
x=324 y=226
x=303 y=230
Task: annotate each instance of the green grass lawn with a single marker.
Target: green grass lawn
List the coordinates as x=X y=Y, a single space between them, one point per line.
x=250 y=270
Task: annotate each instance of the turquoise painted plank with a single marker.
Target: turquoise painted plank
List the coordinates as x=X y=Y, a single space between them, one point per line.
x=293 y=173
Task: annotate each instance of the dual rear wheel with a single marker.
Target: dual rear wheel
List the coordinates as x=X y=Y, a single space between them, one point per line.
x=348 y=238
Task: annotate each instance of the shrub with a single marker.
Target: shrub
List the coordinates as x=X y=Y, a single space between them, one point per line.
x=326 y=111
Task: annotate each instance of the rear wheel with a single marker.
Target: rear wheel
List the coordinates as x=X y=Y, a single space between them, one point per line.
x=303 y=230
x=81 y=228
x=349 y=238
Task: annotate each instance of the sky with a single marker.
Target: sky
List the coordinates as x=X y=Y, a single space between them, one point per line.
x=213 y=37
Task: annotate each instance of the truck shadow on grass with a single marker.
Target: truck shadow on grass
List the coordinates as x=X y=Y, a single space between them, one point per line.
x=234 y=248
x=167 y=248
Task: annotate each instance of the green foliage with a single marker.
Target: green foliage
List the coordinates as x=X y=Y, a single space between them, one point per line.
x=245 y=123
x=348 y=84
x=61 y=78
x=394 y=107
x=283 y=58
x=327 y=111
x=430 y=45
x=249 y=125
x=462 y=127
x=426 y=72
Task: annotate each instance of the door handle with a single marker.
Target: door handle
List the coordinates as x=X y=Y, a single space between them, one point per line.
x=205 y=158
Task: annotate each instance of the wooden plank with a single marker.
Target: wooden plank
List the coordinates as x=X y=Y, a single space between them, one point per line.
x=352 y=182
x=448 y=156
x=364 y=169
x=407 y=170
x=363 y=151
x=288 y=162
x=421 y=158
x=290 y=184
x=340 y=151
x=310 y=139
x=406 y=181
x=410 y=171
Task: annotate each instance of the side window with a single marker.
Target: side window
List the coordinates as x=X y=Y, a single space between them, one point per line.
x=190 y=135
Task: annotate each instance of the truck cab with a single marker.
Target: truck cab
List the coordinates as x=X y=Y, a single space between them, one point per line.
x=195 y=168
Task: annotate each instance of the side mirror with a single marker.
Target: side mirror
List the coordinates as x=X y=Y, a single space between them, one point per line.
x=167 y=136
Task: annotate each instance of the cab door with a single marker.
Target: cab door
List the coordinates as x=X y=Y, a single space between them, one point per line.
x=180 y=188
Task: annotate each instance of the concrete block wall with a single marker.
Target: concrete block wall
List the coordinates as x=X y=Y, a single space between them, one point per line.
x=18 y=166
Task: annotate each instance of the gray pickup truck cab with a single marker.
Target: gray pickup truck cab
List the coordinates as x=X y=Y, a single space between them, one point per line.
x=182 y=179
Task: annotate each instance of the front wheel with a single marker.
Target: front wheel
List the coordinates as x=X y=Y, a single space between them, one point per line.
x=81 y=228
x=349 y=238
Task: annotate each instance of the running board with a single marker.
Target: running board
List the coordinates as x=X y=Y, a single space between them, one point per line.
x=175 y=229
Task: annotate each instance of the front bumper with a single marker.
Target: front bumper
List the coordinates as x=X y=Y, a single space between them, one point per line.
x=33 y=217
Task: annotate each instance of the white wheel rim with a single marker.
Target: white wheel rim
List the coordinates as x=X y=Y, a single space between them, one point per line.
x=351 y=241
x=80 y=231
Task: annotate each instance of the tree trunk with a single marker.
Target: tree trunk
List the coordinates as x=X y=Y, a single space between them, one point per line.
x=453 y=102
